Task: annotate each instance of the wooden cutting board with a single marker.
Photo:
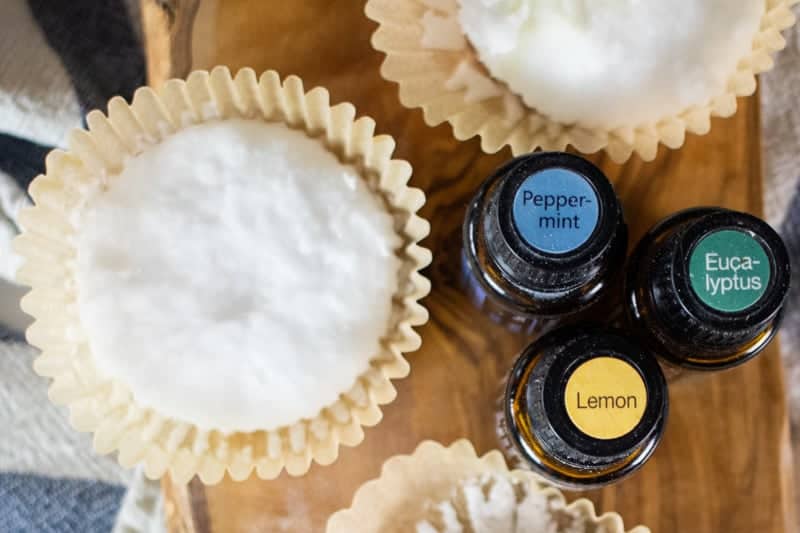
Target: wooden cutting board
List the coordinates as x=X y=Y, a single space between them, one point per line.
x=725 y=463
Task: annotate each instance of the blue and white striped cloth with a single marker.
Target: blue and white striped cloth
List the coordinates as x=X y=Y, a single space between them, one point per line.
x=59 y=59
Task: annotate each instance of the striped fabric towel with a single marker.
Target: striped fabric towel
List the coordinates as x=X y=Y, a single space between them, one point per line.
x=57 y=61
x=780 y=115
x=61 y=59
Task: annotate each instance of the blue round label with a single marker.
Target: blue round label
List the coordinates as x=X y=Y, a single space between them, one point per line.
x=556 y=210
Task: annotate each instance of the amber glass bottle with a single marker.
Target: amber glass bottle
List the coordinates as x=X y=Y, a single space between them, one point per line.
x=705 y=288
x=583 y=407
x=543 y=237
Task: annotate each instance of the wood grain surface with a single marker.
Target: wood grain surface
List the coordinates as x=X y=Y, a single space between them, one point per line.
x=725 y=463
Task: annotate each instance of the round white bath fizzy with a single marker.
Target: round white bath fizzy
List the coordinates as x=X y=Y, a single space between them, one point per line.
x=236 y=276
x=612 y=63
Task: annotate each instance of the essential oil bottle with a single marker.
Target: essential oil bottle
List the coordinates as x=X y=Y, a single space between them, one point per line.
x=705 y=288
x=583 y=407
x=543 y=237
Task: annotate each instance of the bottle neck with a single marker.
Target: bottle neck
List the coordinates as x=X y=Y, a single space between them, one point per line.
x=713 y=282
x=537 y=414
x=552 y=228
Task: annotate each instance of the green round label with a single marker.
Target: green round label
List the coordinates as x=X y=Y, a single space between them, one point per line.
x=729 y=270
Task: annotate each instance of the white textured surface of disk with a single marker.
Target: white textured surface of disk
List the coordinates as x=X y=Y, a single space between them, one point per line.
x=236 y=276
x=494 y=504
x=612 y=63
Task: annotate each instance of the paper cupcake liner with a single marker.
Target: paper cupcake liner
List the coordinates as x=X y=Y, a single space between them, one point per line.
x=397 y=499
x=438 y=70
x=105 y=406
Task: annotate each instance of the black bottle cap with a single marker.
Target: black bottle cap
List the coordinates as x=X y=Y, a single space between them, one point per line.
x=625 y=403
x=720 y=279
x=553 y=224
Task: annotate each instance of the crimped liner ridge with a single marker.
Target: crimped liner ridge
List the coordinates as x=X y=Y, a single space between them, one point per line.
x=106 y=407
x=422 y=74
x=428 y=474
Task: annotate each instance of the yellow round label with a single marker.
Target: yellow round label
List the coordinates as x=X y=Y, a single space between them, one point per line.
x=605 y=397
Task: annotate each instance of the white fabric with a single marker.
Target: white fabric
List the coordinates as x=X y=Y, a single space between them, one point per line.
x=39 y=103
x=142 y=509
x=12 y=199
x=37 y=100
x=36 y=436
x=780 y=94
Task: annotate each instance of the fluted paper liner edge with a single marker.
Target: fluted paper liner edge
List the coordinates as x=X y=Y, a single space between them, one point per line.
x=426 y=80
x=429 y=474
x=106 y=407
